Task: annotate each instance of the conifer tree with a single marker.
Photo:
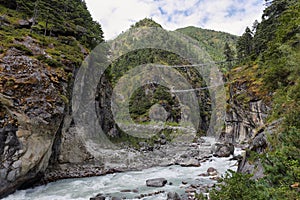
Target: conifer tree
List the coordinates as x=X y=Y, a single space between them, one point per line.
x=244 y=45
x=229 y=55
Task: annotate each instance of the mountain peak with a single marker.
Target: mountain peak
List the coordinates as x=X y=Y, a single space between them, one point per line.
x=146 y=22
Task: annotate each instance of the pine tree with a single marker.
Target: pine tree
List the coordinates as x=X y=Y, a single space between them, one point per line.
x=245 y=44
x=229 y=55
x=254 y=26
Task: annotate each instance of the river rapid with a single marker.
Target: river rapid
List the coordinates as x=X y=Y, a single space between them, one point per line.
x=131 y=184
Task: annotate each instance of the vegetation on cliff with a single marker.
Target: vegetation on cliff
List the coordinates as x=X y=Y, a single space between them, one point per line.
x=269 y=59
x=41 y=47
x=26 y=31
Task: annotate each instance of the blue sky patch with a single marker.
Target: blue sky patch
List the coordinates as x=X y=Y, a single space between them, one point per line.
x=232 y=11
x=162 y=11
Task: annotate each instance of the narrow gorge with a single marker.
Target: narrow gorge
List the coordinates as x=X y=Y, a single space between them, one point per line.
x=85 y=118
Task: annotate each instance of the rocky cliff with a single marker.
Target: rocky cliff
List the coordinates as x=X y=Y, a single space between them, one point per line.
x=247 y=108
x=32 y=109
x=36 y=74
x=245 y=122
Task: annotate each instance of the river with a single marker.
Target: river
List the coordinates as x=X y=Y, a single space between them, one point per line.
x=113 y=184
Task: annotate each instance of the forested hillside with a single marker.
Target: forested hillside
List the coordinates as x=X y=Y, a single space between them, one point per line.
x=58 y=18
x=213 y=42
x=141 y=101
x=269 y=57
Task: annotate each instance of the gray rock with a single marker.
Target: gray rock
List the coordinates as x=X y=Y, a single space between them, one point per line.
x=17 y=164
x=162 y=136
x=211 y=169
x=98 y=197
x=184 y=182
x=12 y=175
x=3 y=173
x=156 y=182
x=24 y=23
x=173 y=196
x=191 y=162
x=223 y=150
x=163 y=141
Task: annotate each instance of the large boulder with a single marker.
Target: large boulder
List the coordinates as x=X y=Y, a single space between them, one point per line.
x=259 y=144
x=190 y=162
x=223 y=150
x=156 y=182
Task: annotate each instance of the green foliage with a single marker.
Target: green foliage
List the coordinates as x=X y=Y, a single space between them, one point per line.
x=9 y=3
x=229 y=56
x=211 y=41
x=238 y=186
x=64 y=18
x=23 y=48
x=282 y=165
x=244 y=45
x=140 y=102
x=146 y=22
x=60 y=51
x=276 y=49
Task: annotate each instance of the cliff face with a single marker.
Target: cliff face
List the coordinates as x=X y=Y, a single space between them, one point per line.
x=246 y=106
x=32 y=108
x=245 y=122
x=242 y=124
x=36 y=73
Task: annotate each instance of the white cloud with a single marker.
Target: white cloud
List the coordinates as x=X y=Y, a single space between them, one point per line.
x=231 y=16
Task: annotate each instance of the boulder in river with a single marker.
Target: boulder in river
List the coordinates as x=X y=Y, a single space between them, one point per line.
x=98 y=197
x=173 y=196
x=212 y=171
x=156 y=182
x=190 y=162
x=223 y=150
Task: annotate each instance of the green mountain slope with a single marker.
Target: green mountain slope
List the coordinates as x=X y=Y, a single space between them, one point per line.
x=212 y=41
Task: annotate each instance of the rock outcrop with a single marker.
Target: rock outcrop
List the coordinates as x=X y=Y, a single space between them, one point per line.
x=246 y=109
x=241 y=122
x=246 y=115
x=259 y=145
x=32 y=103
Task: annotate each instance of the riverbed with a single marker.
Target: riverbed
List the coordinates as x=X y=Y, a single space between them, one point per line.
x=129 y=185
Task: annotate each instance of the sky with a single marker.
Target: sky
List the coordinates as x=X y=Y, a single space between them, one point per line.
x=231 y=16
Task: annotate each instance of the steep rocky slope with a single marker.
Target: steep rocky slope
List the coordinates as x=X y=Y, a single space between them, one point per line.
x=246 y=116
x=36 y=74
x=247 y=105
x=32 y=109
